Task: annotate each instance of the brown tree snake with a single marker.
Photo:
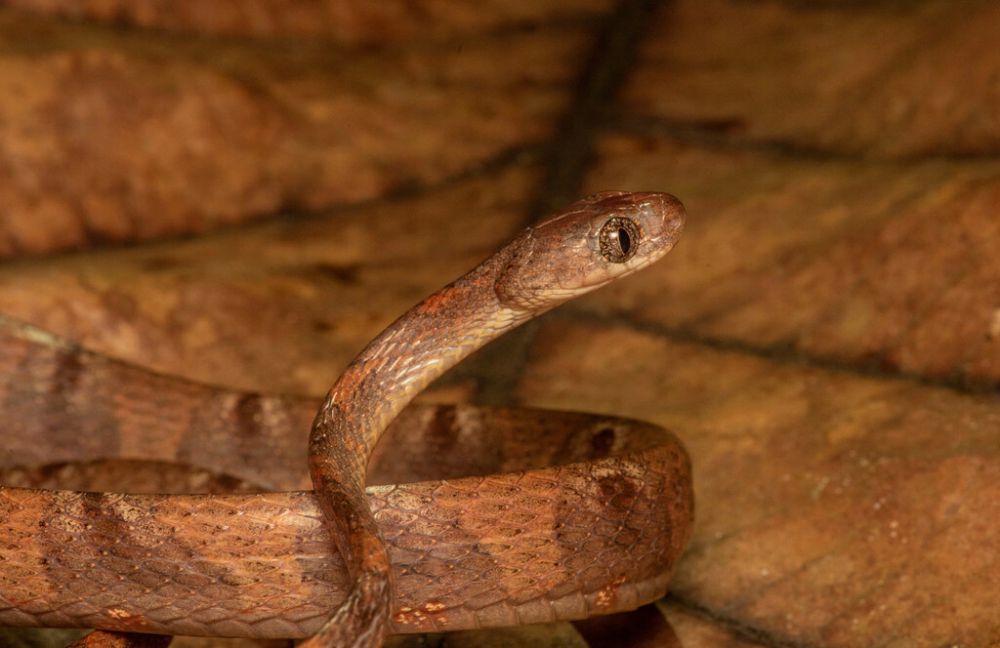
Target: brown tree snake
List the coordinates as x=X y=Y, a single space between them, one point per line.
x=478 y=517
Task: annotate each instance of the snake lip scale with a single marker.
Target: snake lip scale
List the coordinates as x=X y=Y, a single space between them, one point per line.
x=513 y=540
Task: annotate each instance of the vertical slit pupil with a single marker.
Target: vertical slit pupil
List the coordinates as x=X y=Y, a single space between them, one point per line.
x=623 y=240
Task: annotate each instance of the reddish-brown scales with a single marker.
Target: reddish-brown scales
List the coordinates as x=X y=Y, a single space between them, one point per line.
x=121 y=640
x=531 y=543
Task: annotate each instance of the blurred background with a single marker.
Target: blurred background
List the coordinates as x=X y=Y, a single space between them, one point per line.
x=244 y=192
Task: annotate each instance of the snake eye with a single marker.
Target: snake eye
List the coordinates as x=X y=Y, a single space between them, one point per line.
x=619 y=239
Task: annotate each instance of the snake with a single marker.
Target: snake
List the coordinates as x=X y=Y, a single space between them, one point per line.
x=476 y=517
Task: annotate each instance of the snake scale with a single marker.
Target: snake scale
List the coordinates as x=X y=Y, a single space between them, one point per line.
x=477 y=517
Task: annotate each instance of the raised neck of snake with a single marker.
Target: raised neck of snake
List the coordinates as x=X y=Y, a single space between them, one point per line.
x=579 y=249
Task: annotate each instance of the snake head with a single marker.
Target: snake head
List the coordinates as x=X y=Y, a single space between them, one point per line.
x=586 y=245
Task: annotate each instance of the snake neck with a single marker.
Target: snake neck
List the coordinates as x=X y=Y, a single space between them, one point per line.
x=381 y=381
x=404 y=359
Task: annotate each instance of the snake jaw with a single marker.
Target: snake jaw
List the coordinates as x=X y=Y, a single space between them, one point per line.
x=566 y=255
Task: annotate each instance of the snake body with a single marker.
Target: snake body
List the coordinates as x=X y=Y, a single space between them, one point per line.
x=532 y=543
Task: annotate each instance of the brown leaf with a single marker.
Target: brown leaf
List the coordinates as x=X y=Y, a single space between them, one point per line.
x=831 y=508
x=879 y=78
x=890 y=265
x=337 y=20
x=645 y=627
x=701 y=631
x=826 y=337
x=107 y=136
x=278 y=307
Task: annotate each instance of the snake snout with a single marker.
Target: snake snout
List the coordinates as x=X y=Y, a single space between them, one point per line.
x=666 y=212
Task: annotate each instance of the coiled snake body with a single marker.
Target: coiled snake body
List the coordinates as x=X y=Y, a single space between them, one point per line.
x=530 y=544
